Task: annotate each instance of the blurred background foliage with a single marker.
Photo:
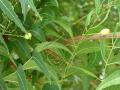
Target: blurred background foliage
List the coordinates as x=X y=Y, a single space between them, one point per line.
x=44 y=61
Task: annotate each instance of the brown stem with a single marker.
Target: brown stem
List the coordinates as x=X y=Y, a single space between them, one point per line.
x=93 y=37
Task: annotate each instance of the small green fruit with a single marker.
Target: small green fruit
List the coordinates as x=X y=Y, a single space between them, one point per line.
x=105 y=31
x=28 y=36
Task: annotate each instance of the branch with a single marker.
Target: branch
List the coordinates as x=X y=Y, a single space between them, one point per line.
x=93 y=37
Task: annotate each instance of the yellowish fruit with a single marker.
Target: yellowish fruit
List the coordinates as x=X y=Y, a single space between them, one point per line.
x=28 y=36
x=105 y=31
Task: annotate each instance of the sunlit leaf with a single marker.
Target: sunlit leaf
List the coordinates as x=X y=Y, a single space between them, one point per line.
x=114 y=87
x=30 y=64
x=112 y=79
x=11 y=78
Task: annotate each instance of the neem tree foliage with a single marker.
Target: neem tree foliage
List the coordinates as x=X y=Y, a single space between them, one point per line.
x=59 y=44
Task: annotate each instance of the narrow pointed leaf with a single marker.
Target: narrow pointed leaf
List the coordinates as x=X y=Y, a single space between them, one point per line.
x=65 y=26
x=97 y=6
x=24 y=6
x=21 y=78
x=80 y=69
x=32 y=6
x=51 y=45
x=89 y=16
x=37 y=57
x=112 y=79
x=8 y=9
x=22 y=49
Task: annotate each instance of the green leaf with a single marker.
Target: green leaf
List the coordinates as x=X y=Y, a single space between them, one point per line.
x=65 y=26
x=118 y=7
x=37 y=57
x=76 y=69
x=95 y=58
x=2 y=85
x=52 y=2
x=103 y=46
x=13 y=88
x=21 y=78
x=88 y=47
x=30 y=64
x=49 y=86
x=8 y=9
x=114 y=87
x=51 y=32
x=3 y=51
x=89 y=16
x=22 y=48
x=38 y=34
x=115 y=59
x=11 y=78
x=51 y=45
x=103 y=20
x=112 y=79
x=7 y=50
x=32 y=6
x=98 y=6
x=46 y=69
x=3 y=42
x=24 y=6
